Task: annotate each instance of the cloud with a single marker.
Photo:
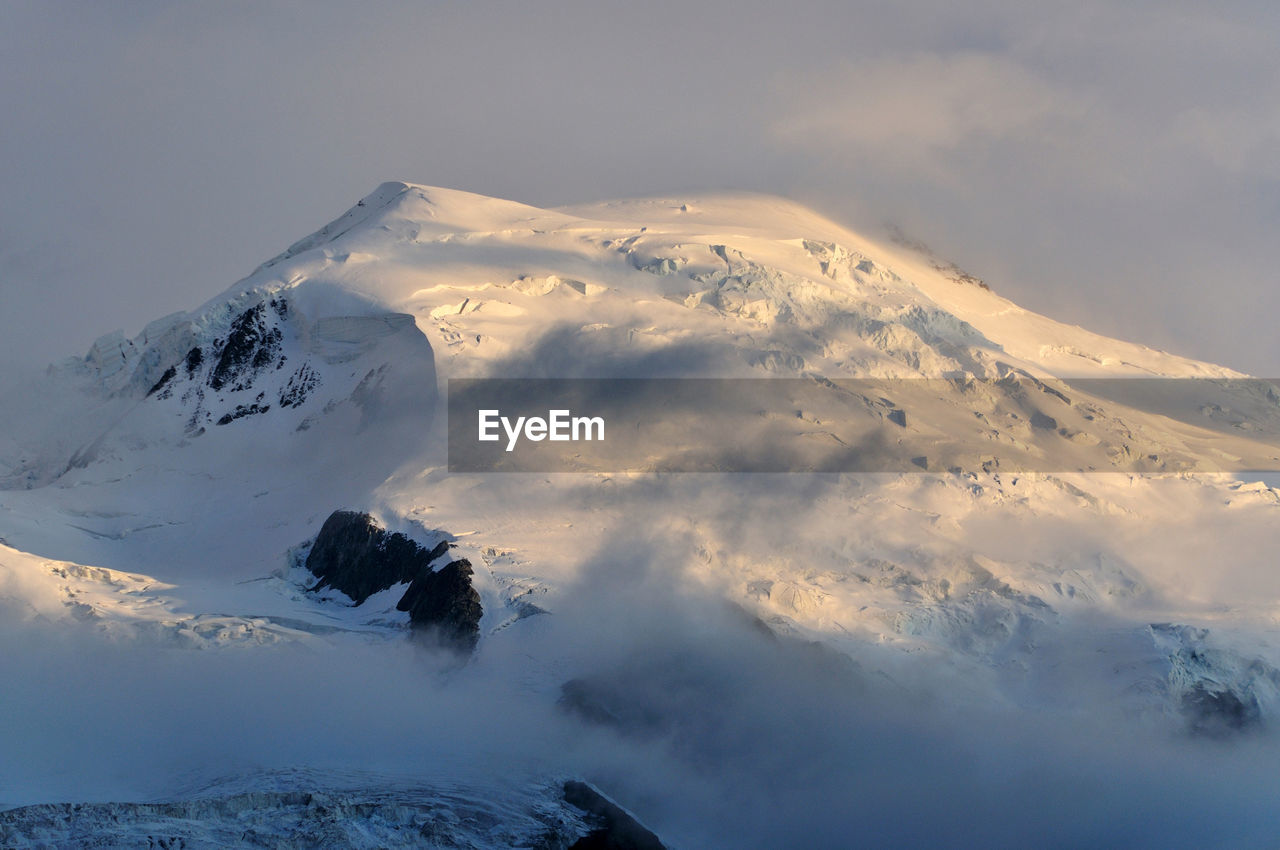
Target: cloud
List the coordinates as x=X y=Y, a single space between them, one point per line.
x=1107 y=166
x=1098 y=162
x=915 y=112
x=961 y=118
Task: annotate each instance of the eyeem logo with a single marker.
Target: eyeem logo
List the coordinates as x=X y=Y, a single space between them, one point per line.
x=559 y=426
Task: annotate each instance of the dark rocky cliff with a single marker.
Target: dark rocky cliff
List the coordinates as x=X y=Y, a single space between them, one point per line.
x=353 y=554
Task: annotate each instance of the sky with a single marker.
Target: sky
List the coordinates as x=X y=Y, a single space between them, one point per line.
x=1110 y=165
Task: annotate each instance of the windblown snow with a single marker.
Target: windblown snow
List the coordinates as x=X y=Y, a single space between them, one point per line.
x=740 y=660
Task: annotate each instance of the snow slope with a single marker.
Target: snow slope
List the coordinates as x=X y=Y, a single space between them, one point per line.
x=160 y=490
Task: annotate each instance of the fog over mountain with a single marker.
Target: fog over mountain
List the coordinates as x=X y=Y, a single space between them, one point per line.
x=971 y=293
x=247 y=602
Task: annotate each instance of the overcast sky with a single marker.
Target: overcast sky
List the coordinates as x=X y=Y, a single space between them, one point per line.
x=1113 y=165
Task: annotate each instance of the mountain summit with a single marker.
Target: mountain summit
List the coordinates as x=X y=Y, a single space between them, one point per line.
x=415 y=285
x=268 y=475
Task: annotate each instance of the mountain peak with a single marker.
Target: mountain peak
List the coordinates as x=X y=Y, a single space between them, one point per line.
x=463 y=285
x=434 y=211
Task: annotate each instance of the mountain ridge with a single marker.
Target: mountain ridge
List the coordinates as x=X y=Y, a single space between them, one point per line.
x=161 y=495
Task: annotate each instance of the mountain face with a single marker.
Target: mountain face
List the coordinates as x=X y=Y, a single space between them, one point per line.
x=301 y=355
x=261 y=486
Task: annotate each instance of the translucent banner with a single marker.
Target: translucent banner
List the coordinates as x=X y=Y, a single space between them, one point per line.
x=1017 y=423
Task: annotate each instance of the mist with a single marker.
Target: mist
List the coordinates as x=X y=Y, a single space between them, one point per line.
x=721 y=733
x=1109 y=166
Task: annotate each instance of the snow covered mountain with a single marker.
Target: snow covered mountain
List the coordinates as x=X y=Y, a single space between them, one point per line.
x=169 y=511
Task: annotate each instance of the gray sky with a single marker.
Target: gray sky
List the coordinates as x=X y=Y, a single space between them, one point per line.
x=1112 y=165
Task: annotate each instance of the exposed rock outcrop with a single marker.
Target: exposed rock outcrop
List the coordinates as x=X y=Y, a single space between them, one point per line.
x=1218 y=691
x=353 y=554
x=615 y=828
x=164 y=379
x=446 y=602
x=1216 y=713
x=243 y=410
x=251 y=345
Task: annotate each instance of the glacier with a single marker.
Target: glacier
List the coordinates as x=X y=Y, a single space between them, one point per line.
x=958 y=657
